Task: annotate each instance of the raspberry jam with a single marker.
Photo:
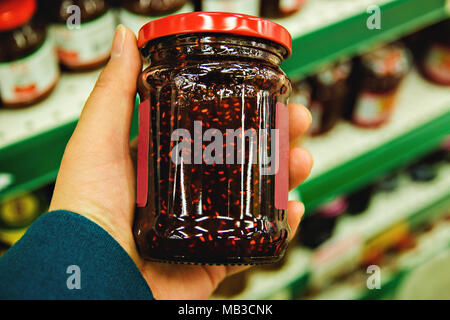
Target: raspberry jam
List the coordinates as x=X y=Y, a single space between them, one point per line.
x=213 y=147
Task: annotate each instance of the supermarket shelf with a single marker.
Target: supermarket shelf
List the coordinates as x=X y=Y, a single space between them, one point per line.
x=32 y=140
x=433 y=247
x=353 y=236
x=324 y=30
x=420 y=121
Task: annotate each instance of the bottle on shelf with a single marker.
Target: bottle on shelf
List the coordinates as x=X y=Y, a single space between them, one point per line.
x=135 y=13
x=380 y=73
x=329 y=97
x=83 y=31
x=28 y=65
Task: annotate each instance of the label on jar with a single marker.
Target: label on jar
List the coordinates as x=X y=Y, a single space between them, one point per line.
x=316 y=110
x=142 y=154
x=250 y=7
x=372 y=109
x=135 y=21
x=29 y=78
x=282 y=157
x=88 y=45
x=437 y=63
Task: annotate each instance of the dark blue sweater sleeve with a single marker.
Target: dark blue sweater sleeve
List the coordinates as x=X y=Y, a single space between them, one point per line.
x=66 y=256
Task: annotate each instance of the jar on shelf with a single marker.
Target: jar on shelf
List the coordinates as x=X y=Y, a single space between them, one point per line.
x=301 y=93
x=359 y=200
x=28 y=65
x=318 y=227
x=18 y=213
x=329 y=97
x=435 y=64
x=280 y=8
x=388 y=182
x=381 y=72
x=135 y=13
x=250 y=7
x=212 y=168
x=82 y=30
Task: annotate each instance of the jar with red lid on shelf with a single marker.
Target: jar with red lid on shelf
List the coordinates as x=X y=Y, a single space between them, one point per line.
x=381 y=72
x=250 y=7
x=135 y=13
x=28 y=65
x=82 y=30
x=329 y=96
x=280 y=8
x=213 y=75
x=435 y=64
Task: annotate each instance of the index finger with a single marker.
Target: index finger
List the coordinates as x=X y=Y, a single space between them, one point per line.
x=299 y=120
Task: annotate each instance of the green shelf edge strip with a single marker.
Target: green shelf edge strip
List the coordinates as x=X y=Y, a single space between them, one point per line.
x=398 y=17
x=299 y=286
x=34 y=162
x=361 y=170
x=332 y=42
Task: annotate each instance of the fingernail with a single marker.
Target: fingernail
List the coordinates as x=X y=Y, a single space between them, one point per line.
x=118 y=41
x=309 y=115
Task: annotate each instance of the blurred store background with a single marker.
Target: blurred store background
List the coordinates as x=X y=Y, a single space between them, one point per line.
x=375 y=75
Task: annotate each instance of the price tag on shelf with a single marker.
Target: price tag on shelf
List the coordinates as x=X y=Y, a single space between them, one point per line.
x=6 y=179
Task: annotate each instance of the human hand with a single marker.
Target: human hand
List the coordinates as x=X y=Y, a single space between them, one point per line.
x=97 y=179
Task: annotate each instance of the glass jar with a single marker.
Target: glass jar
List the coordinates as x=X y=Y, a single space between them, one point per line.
x=435 y=64
x=135 y=13
x=329 y=97
x=381 y=72
x=83 y=31
x=214 y=89
x=280 y=8
x=28 y=64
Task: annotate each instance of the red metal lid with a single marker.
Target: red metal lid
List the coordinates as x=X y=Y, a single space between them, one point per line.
x=14 y=13
x=218 y=22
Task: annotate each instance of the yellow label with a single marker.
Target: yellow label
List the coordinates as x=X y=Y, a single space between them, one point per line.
x=20 y=210
x=385 y=240
x=12 y=236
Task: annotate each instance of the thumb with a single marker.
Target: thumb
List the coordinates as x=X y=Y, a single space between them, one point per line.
x=108 y=111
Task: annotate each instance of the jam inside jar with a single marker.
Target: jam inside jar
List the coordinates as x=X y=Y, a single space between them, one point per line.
x=213 y=147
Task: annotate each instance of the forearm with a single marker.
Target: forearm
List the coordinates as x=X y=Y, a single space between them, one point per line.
x=66 y=256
